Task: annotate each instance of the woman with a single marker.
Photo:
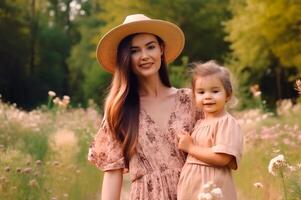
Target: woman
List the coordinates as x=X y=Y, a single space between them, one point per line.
x=143 y=113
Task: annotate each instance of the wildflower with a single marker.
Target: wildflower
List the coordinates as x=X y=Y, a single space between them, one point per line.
x=33 y=183
x=55 y=163
x=38 y=162
x=205 y=196
x=298 y=86
x=18 y=170
x=255 y=90
x=66 y=98
x=65 y=195
x=56 y=100
x=208 y=186
x=2 y=179
x=210 y=192
x=27 y=170
x=258 y=185
x=51 y=93
x=276 y=163
x=217 y=193
x=7 y=169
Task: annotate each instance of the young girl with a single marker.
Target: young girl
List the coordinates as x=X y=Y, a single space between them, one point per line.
x=142 y=110
x=216 y=143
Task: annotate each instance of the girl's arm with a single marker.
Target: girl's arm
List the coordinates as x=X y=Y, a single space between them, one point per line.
x=204 y=154
x=111 y=185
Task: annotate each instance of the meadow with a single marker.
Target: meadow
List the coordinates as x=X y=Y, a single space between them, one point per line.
x=43 y=153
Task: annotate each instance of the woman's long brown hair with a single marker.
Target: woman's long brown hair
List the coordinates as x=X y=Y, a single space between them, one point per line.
x=122 y=105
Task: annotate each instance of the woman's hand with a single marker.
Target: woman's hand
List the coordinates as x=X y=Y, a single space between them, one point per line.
x=185 y=142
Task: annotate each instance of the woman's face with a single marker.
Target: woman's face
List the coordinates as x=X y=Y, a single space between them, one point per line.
x=146 y=55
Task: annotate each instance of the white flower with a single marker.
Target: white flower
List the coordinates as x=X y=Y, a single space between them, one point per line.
x=205 y=196
x=210 y=192
x=258 y=185
x=51 y=93
x=276 y=163
x=208 y=187
x=217 y=193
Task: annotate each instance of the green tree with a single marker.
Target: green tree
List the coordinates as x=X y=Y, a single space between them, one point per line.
x=87 y=80
x=266 y=45
x=14 y=51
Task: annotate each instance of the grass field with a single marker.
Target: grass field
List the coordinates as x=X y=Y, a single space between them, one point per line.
x=43 y=154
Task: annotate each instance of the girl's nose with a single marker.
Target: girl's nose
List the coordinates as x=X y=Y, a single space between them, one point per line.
x=207 y=96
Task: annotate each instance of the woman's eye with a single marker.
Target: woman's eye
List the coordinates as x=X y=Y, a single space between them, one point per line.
x=133 y=51
x=151 y=47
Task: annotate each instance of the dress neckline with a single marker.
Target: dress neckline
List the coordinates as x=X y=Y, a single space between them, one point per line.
x=166 y=127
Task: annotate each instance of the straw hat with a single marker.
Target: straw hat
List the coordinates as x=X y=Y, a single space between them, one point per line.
x=170 y=33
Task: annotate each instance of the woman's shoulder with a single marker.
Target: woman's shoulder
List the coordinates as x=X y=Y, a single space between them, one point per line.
x=185 y=91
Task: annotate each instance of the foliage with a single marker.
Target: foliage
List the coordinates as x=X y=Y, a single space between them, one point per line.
x=265 y=44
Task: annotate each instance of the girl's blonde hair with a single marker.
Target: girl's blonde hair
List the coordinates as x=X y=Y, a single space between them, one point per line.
x=212 y=68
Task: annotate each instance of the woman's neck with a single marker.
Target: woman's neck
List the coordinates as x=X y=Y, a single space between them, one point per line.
x=152 y=87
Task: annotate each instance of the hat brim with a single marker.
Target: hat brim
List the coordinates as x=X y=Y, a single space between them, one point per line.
x=171 y=34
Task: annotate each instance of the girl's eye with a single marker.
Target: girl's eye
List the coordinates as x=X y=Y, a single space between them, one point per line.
x=215 y=91
x=201 y=92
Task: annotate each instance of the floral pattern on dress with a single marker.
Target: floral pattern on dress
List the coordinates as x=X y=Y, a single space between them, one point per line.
x=155 y=167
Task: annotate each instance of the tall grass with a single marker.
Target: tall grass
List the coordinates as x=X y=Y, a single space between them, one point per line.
x=43 y=154
x=266 y=136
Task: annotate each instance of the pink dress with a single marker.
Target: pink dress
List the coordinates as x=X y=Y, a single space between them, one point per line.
x=155 y=168
x=225 y=136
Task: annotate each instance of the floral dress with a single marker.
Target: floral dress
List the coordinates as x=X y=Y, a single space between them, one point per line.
x=155 y=168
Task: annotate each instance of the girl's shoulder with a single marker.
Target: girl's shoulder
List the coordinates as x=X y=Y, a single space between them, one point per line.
x=226 y=119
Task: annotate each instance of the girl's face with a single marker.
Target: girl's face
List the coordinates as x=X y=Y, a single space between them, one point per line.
x=146 y=55
x=210 y=95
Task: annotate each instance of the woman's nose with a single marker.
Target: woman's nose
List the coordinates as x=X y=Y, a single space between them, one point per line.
x=144 y=55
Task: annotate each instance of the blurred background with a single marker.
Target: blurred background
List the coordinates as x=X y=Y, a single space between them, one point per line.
x=50 y=45
x=52 y=88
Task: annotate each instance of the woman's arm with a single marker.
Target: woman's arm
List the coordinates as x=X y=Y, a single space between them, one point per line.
x=111 y=185
x=204 y=154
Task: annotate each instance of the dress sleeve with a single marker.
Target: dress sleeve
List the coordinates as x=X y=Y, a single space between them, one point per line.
x=229 y=139
x=106 y=151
